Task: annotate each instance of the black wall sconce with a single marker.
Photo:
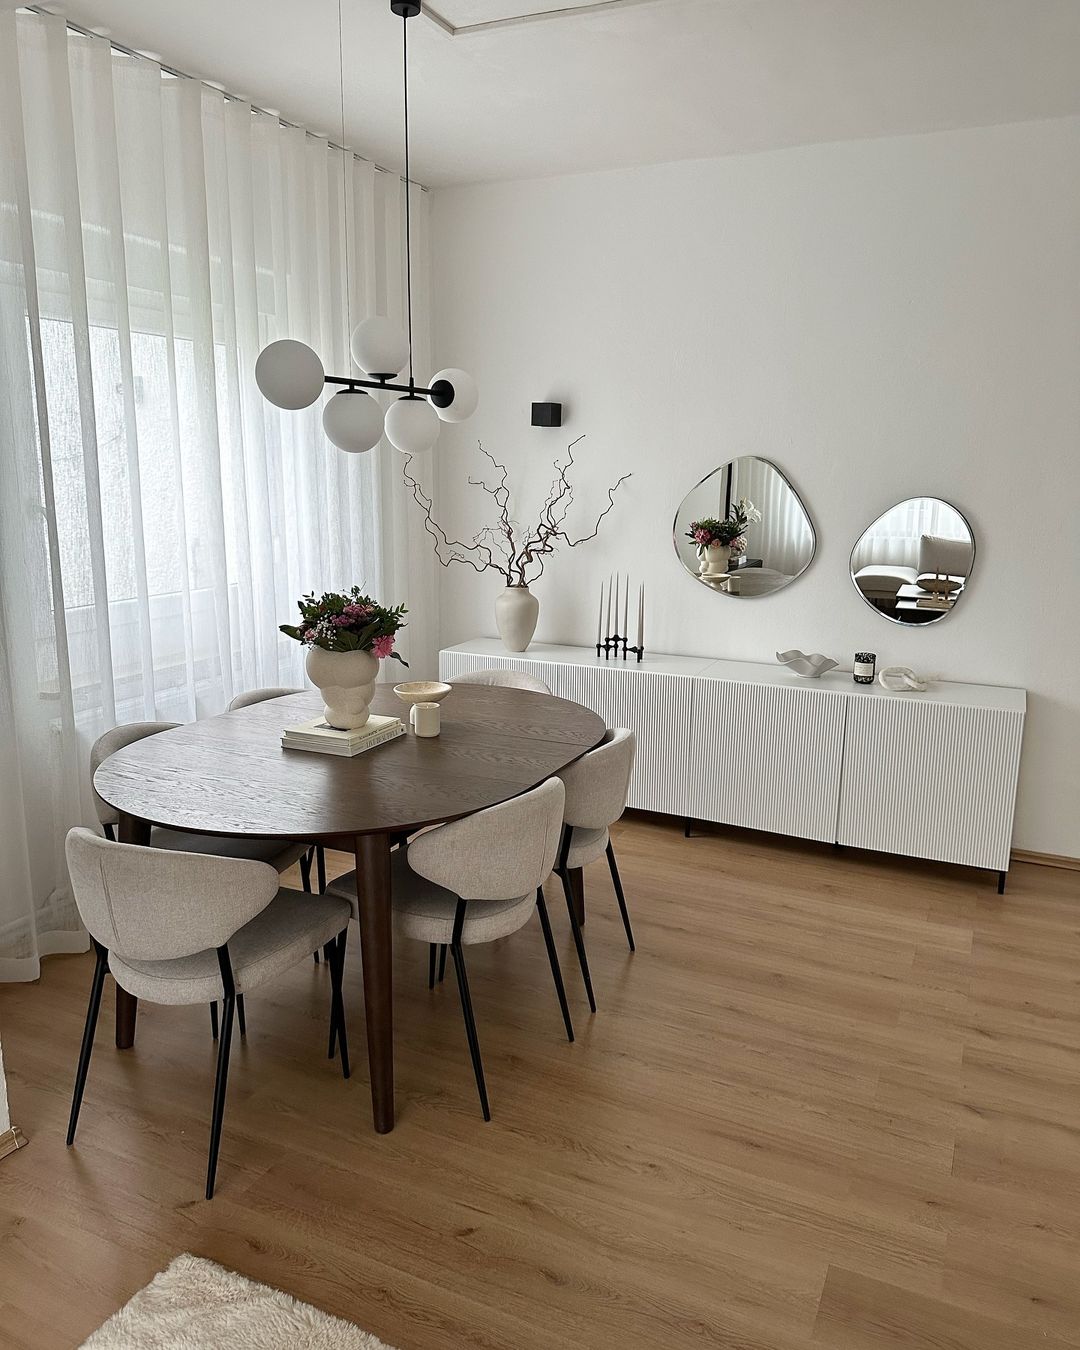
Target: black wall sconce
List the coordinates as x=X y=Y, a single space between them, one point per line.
x=547 y=414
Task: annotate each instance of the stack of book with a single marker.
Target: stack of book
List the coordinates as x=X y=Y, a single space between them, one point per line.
x=324 y=739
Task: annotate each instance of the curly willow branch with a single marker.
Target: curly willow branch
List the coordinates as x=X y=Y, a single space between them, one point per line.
x=539 y=542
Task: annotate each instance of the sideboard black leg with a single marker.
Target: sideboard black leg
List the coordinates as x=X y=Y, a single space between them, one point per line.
x=1001 y=882
x=686 y=828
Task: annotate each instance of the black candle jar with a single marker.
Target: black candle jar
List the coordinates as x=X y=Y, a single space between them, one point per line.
x=864 y=668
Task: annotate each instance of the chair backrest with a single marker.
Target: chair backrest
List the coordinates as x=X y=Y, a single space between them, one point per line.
x=250 y=696
x=507 y=679
x=500 y=853
x=151 y=904
x=597 y=784
x=108 y=745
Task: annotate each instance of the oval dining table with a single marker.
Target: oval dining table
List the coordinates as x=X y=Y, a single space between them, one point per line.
x=229 y=775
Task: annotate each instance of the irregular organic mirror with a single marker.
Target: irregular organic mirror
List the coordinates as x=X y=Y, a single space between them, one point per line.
x=743 y=530
x=914 y=563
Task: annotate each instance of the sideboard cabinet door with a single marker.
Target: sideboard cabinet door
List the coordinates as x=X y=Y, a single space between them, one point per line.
x=766 y=756
x=654 y=706
x=931 y=780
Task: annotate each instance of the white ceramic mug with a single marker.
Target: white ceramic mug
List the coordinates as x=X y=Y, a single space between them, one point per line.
x=425 y=719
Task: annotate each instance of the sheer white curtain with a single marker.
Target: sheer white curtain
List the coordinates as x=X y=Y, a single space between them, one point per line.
x=782 y=537
x=894 y=538
x=158 y=519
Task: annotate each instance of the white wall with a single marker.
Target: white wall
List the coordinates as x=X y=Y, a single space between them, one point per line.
x=882 y=318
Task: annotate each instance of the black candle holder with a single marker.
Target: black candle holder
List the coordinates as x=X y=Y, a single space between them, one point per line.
x=615 y=646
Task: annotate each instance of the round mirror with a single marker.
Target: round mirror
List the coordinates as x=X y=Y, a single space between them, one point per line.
x=743 y=530
x=914 y=563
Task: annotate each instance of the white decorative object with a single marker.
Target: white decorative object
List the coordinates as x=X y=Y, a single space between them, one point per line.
x=811 y=666
x=289 y=374
x=353 y=421
x=346 y=681
x=516 y=613
x=466 y=395
x=412 y=425
x=713 y=559
x=425 y=719
x=932 y=777
x=380 y=347
x=898 y=678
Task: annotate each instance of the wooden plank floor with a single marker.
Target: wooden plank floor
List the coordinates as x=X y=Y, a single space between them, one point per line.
x=833 y=1100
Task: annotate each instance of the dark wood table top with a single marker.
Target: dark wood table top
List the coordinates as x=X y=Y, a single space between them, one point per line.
x=228 y=775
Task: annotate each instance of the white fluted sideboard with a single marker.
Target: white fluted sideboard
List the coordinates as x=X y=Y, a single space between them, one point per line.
x=931 y=775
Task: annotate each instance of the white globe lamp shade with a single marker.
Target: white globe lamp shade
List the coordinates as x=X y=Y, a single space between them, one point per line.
x=465 y=398
x=380 y=347
x=353 y=421
x=411 y=425
x=289 y=374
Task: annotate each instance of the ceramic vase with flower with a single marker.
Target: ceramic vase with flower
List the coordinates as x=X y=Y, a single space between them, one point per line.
x=346 y=635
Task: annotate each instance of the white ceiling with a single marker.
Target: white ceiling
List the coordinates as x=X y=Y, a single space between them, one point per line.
x=637 y=82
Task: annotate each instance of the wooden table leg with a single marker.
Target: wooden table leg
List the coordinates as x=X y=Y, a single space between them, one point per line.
x=377 y=955
x=132 y=831
x=577 y=891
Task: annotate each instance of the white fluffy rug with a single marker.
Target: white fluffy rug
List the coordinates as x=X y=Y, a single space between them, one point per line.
x=198 y=1305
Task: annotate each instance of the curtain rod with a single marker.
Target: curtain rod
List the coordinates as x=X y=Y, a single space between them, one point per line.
x=229 y=97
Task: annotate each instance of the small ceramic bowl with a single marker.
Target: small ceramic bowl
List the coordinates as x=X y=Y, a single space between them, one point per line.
x=422 y=691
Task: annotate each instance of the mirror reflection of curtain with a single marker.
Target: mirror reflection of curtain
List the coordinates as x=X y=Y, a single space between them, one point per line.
x=894 y=538
x=158 y=519
x=783 y=539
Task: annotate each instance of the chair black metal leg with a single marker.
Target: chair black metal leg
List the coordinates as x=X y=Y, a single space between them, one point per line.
x=432 y=952
x=616 y=881
x=442 y=962
x=92 y=1010
x=320 y=864
x=470 y=1026
x=337 y=1002
x=305 y=878
x=579 y=941
x=213 y=1021
x=241 y=1019
x=222 y=1077
x=553 y=958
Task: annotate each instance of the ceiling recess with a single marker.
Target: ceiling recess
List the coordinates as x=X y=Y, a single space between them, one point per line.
x=459 y=18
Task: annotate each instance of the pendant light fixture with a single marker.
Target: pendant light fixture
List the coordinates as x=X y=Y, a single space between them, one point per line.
x=290 y=375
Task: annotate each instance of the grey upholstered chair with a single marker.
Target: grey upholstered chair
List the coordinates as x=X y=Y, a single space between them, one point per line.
x=507 y=679
x=186 y=928
x=250 y=696
x=596 y=789
x=477 y=880
x=279 y=853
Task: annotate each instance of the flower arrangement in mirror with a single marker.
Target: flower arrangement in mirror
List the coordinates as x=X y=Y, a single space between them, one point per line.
x=346 y=635
x=718 y=541
x=516 y=553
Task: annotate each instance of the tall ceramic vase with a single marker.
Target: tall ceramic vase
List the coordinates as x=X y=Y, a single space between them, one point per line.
x=346 y=681
x=516 y=613
x=714 y=560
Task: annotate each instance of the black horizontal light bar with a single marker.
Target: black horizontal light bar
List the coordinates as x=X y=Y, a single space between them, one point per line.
x=441 y=392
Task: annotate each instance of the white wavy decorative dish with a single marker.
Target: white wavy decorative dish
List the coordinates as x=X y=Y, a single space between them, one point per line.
x=809 y=666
